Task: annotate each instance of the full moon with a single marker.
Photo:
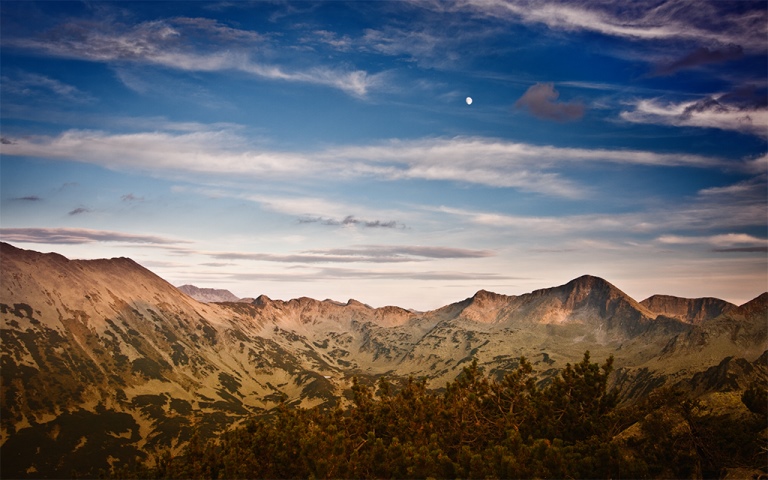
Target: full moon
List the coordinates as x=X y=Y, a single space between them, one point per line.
x=469 y=100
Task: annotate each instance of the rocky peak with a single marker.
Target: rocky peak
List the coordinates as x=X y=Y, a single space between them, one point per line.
x=208 y=295
x=354 y=303
x=758 y=304
x=689 y=310
x=484 y=296
x=262 y=300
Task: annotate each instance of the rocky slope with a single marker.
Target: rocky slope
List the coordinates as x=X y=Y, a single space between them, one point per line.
x=103 y=361
x=208 y=295
x=690 y=310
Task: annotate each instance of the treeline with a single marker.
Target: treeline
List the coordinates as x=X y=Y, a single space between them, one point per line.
x=479 y=428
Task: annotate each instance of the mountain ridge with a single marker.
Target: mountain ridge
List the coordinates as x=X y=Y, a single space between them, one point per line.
x=208 y=294
x=110 y=341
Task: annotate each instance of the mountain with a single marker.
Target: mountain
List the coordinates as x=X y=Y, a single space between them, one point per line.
x=209 y=295
x=691 y=310
x=104 y=362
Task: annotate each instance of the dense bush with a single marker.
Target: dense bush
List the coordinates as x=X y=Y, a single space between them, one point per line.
x=476 y=428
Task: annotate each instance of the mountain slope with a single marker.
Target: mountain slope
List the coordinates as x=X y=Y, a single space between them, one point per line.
x=690 y=310
x=108 y=338
x=208 y=294
x=103 y=361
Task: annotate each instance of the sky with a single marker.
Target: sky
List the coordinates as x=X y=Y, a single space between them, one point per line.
x=330 y=149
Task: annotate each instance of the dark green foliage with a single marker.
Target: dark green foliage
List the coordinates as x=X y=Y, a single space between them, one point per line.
x=756 y=398
x=476 y=428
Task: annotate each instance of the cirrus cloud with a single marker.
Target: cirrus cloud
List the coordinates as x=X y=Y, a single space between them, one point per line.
x=710 y=112
x=78 y=236
x=223 y=153
x=171 y=44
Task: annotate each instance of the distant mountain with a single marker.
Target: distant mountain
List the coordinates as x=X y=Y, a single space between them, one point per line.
x=103 y=361
x=690 y=310
x=209 y=295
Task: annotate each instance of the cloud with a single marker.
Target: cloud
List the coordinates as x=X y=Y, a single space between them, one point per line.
x=325 y=274
x=131 y=198
x=723 y=243
x=699 y=21
x=34 y=85
x=28 y=198
x=410 y=250
x=225 y=154
x=541 y=101
x=176 y=44
x=718 y=111
x=753 y=189
x=342 y=43
x=77 y=236
x=309 y=258
x=350 y=220
x=361 y=254
x=702 y=56
x=742 y=250
x=721 y=210
x=79 y=211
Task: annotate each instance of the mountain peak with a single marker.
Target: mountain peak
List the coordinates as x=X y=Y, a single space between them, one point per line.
x=689 y=310
x=590 y=282
x=485 y=295
x=352 y=302
x=208 y=295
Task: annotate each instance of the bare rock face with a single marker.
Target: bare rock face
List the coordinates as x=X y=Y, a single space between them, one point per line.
x=103 y=361
x=209 y=295
x=690 y=310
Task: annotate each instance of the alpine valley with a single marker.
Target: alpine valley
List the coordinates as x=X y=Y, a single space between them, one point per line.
x=104 y=362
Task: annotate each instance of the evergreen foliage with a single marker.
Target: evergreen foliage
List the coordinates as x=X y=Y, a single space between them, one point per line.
x=476 y=428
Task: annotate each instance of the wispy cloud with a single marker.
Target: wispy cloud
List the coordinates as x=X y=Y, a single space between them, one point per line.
x=410 y=250
x=78 y=236
x=707 y=22
x=723 y=243
x=129 y=197
x=477 y=160
x=325 y=274
x=731 y=210
x=360 y=254
x=78 y=211
x=701 y=56
x=541 y=101
x=28 y=198
x=30 y=85
x=171 y=43
x=712 y=112
x=351 y=220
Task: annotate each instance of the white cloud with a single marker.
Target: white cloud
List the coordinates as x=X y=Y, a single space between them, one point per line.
x=709 y=113
x=723 y=243
x=171 y=44
x=223 y=153
x=708 y=22
x=703 y=214
x=78 y=236
x=361 y=254
x=722 y=240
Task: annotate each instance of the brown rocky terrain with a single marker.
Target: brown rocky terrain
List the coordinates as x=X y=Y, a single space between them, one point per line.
x=103 y=361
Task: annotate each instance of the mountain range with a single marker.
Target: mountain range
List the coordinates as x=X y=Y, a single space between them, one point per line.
x=104 y=362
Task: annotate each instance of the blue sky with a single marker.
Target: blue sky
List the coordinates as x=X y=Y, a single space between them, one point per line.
x=327 y=149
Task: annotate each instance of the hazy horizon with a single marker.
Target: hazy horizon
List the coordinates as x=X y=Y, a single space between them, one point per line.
x=330 y=149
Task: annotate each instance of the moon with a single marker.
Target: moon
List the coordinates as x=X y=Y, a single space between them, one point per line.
x=469 y=100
